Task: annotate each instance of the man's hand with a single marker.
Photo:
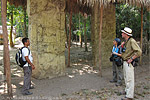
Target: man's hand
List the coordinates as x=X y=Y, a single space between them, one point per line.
x=122 y=43
x=115 y=53
x=33 y=67
x=129 y=61
x=27 y=59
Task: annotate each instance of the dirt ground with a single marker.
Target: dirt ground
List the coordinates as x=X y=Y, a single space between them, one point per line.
x=81 y=82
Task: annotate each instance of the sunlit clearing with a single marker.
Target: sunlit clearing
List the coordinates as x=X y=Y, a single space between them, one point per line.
x=14 y=96
x=19 y=75
x=77 y=64
x=14 y=69
x=73 y=71
x=1 y=72
x=21 y=83
x=1 y=47
x=3 y=88
x=71 y=76
x=80 y=59
x=1 y=91
x=19 y=71
x=14 y=86
x=95 y=72
x=81 y=72
x=1 y=58
x=19 y=46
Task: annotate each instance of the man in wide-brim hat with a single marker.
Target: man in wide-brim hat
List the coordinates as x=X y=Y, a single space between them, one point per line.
x=131 y=50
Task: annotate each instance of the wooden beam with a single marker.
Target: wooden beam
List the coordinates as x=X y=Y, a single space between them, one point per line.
x=85 y=34
x=70 y=22
x=6 y=49
x=100 y=35
x=141 y=41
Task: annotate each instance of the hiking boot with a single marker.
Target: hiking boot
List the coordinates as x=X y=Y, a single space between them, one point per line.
x=31 y=87
x=118 y=84
x=112 y=81
x=126 y=98
x=122 y=93
x=27 y=93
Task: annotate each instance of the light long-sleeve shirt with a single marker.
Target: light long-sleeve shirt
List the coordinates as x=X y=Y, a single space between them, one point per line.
x=132 y=48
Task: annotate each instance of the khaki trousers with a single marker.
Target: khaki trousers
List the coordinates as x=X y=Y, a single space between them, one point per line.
x=27 y=78
x=128 y=71
x=117 y=73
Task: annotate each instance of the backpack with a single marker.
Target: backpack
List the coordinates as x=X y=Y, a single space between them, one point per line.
x=19 y=57
x=118 y=60
x=135 y=62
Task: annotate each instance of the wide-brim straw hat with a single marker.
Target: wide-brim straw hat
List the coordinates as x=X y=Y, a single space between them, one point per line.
x=127 y=31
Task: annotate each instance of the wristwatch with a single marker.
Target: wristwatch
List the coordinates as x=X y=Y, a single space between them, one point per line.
x=132 y=58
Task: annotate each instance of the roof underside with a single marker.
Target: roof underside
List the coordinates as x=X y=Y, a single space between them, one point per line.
x=85 y=6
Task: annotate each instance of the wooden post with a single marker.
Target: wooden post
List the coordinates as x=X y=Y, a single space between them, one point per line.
x=141 y=41
x=80 y=35
x=70 y=22
x=85 y=35
x=100 y=33
x=66 y=29
x=6 y=49
x=11 y=31
x=24 y=30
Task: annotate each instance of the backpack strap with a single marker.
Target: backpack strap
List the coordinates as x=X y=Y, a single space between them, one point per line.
x=27 y=48
x=28 y=53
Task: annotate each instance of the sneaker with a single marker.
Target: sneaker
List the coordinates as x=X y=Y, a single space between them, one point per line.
x=27 y=93
x=126 y=99
x=112 y=81
x=118 y=84
x=122 y=93
x=32 y=87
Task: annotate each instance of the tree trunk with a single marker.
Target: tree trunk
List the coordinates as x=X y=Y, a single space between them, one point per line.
x=80 y=35
x=76 y=40
x=141 y=42
x=85 y=36
x=66 y=29
x=81 y=40
x=6 y=49
x=11 y=31
x=25 y=27
x=70 y=22
x=100 y=33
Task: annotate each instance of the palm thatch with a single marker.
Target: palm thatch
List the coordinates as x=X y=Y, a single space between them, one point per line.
x=18 y=2
x=139 y=3
x=76 y=7
x=86 y=5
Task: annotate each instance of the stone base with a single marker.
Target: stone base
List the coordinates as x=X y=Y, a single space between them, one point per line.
x=47 y=37
x=108 y=34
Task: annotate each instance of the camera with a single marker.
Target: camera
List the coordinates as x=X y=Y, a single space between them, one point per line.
x=123 y=49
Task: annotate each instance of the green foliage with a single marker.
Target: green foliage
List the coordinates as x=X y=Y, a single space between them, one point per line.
x=78 y=25
x=18 y=15
x=0 y=15
x=127 y=16
x=18 y=20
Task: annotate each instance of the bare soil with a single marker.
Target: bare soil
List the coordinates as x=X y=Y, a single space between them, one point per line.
x=81 y=81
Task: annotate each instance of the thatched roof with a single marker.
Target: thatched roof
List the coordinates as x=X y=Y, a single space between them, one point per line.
x=86 y=5
x=139 y=3
x=76 y=7
x=18 y=2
